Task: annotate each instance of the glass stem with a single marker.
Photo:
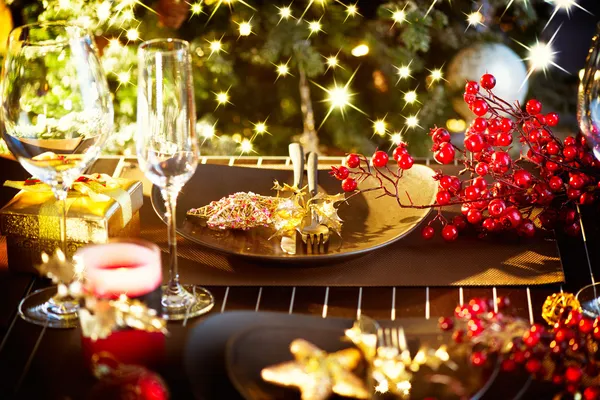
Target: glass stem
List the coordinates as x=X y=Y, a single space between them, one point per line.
x=170 y=198
x=60 y=193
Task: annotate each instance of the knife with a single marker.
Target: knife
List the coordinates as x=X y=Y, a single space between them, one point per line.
x=288 y=241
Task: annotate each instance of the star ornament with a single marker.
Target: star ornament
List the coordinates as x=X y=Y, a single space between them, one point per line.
x=318 y=374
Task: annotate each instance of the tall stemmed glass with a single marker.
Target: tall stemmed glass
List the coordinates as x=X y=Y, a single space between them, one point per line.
x=588 y=113
x=167 y=151
x=56 y=113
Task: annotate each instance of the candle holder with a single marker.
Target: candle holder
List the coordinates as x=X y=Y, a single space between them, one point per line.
x=122 y=302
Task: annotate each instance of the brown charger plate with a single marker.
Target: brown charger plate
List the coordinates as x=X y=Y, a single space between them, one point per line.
x=369 y=222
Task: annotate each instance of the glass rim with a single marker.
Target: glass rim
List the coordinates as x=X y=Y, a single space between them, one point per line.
x=148 y=45
x=40 y=25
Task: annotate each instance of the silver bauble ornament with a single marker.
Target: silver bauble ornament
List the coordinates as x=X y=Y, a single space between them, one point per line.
x=494 y=58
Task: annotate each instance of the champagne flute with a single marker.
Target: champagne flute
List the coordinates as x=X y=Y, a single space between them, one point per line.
x=167 y=151
x=56 y=113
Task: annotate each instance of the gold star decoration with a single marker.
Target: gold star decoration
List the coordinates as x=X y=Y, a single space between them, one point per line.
x=318 y=374
x=58 y=268
x=99 y=318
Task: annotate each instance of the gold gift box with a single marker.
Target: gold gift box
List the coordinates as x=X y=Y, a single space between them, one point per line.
x=30 y=222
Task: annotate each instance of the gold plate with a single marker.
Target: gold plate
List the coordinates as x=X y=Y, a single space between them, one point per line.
x=369 y=222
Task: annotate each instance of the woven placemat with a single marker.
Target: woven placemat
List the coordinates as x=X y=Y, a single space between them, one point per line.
x=411 y=261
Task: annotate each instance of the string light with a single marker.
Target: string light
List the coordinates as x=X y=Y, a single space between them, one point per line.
x=332 y=62
x=396 y=138
x=435 y=75
x=245 y=28
x=132 y=34
x=282 y=69
x=475 y=18
x=565 y=5
x=379 y=127
x=410 y=97
x=360 y=50
x=315 y=27
x=222 y=98
x=398 y=16
x=285 y=13
x=215 y=46
x=412 y=121
x=196 y=8
x=540 y=57
x=261 y=128
x=124 y=77
x=339 y=97
x=246 y=146
x=403 y=72
x=351 y=11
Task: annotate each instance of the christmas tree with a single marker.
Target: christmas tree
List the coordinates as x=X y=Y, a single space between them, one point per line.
x=338 y=76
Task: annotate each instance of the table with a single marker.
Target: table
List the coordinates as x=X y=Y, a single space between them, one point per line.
x=46 y=363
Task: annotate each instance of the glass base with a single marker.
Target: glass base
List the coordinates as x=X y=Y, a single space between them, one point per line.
x=589 y=298
x=43 y=308
x=185 y=301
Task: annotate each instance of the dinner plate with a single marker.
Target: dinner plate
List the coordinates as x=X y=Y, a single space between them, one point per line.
x=259 y=347
x=370 y=221
x=216 y=344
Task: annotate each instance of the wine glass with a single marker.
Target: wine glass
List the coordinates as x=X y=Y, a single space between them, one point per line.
x=56 y=113
x=588 y=110
x=167 y=151
x=588 y=114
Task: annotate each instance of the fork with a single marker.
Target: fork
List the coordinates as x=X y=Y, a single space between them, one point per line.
x=315 y=234
x=392 y=343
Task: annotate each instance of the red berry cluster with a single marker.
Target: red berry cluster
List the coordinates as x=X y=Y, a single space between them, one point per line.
x=541 y=186
x=566 y=354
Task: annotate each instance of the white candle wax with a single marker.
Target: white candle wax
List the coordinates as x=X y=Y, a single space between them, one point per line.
x=119 y=268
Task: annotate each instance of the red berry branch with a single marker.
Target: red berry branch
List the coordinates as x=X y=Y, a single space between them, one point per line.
x=541 y=186
x=566 y=353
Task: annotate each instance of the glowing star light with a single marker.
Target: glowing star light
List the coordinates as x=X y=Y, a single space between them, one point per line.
x=315 y=27
x=338 y=97
x=215 y=46
x=403 y=72
x=541 y=57
x=435 y=75
x=412 y=121
x=132 y=34
x=261 y=128
x=396 y=138
x=285 y=13
x=565 y=5
x=245 y=28
x=222 y=98
x=196 y=8
x=351 y=11
x=332 y=62
x=410 y=97
x=379 y=127
x=246 y=146
x=282 y=69
x=398 y=16
x=475 y=18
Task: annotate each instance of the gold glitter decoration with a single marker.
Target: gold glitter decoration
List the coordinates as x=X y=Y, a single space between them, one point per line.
x=247 y=210
x=99 y=318
x=318 y=374
x=555 y=304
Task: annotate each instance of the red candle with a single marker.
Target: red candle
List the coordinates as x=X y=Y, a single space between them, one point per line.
x=133 y=268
